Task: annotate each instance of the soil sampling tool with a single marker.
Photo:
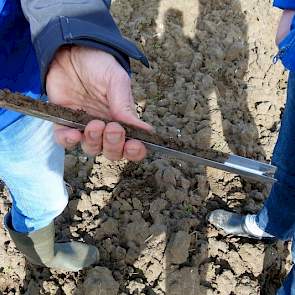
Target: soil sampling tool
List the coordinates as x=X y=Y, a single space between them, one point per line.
x=167 y=147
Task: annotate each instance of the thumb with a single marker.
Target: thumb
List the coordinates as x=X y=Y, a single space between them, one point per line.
x=121 y=101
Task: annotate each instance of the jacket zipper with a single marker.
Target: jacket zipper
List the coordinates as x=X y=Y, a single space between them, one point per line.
x=280 y=54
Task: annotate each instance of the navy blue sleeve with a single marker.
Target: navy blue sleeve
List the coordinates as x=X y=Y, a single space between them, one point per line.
x=284 y=4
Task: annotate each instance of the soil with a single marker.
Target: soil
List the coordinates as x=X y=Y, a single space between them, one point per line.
x=18 y=102
x=211 y=85
x=46 y=110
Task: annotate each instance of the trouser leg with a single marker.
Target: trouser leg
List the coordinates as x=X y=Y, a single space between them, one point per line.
x=32 y=167
x=277 y=217
x=288 y=287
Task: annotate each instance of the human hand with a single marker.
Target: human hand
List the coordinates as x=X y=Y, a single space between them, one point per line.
x=284 y=25
x=92 y=80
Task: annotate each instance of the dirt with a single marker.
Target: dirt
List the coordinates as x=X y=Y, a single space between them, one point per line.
x=23 y=103
x=52 y=112
x=211 y=85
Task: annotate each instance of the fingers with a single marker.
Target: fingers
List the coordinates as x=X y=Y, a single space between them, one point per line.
x=115 y=148
x=121 y=100
x=130 y=118
x=110 y=140
x=113 y=141
x=134 y=150
x=92 y=138
x=98 y=137
x=67 y=137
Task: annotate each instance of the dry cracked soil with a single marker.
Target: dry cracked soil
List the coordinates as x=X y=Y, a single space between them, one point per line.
x=211 y=85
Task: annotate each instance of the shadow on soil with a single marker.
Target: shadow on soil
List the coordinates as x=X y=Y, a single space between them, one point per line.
x=151 y=233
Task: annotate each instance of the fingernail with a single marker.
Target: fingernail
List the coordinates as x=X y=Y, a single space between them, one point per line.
x=132 y=152
x=93 y=135
x=114 y=138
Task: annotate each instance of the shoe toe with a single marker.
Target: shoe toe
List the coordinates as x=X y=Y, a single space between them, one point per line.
x=229 y=222
x=219 y=218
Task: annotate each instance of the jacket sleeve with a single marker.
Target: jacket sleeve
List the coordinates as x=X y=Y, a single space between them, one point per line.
x=284 y=4
x=55 y=23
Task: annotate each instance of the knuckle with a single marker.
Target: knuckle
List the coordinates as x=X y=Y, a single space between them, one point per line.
x=96 y=126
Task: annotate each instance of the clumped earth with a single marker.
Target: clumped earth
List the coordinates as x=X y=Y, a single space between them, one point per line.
x=211 y=85
x=79 y=119
x=18 y=102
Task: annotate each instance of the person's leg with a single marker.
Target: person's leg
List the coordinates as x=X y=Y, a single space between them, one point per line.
x=277 y=217
x=288 y=287
x=32 y=167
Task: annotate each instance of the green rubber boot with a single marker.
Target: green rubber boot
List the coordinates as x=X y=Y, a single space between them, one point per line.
x=40 y=249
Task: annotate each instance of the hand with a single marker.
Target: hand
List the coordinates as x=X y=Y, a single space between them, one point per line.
x=284 y=25
x=92 y=80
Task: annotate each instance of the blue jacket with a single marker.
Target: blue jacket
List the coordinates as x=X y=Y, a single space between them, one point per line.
x=22 y=68
x=285 y=4
x=287 y=46
x=26 y=49
x=19 y=70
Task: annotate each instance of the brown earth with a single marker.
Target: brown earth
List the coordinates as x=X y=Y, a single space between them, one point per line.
x=52 y=112
x=211 y=84
x=22 y=103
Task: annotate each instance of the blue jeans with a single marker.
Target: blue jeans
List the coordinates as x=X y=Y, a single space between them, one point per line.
x=277 y=217
x=32 y=167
